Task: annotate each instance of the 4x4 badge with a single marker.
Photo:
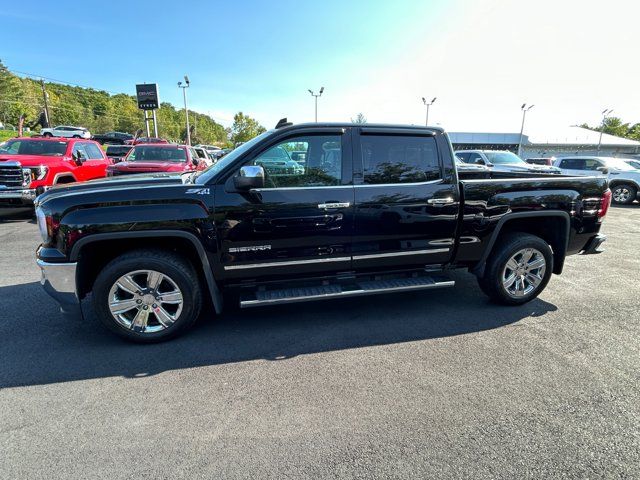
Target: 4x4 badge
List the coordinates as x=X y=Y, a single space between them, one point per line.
x=199 y=191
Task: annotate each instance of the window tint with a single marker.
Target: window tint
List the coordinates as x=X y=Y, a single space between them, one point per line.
x=573 y=164
x=592 y=164
x=79 y=147
x=475 y=158
x=399 y=159
x=464 y=156
x=322 y=166
x=93 y=151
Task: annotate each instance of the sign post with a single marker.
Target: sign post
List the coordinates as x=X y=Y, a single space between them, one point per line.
x=148 y=99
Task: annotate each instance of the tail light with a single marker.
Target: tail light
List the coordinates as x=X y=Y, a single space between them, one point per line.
x=605 y=203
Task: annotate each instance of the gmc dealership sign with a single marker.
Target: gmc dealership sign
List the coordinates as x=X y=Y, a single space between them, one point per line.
x=147 y=94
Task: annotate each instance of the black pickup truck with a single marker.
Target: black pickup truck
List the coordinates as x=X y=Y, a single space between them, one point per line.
x=372 y=209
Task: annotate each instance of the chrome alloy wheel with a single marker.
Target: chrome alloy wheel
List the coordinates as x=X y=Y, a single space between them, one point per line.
x=524 y=272
x=621 y=194
x=145 y=301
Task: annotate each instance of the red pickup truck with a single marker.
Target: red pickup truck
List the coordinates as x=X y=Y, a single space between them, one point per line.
x=29 y=166
x=158 y=158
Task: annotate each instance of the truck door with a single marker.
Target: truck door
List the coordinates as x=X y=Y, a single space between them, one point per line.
x=406 y=197
x=301 y=222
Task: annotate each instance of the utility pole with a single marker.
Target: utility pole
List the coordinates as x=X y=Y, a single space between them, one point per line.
x=186 y=110
x=316 y=95
x=605 y=114
x=46 y=104
x=424 y=100
x=524 y=109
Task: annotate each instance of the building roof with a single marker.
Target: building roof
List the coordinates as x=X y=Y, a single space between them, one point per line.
x=553 y=136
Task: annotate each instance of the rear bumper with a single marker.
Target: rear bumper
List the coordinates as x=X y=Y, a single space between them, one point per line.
x=59 y=281
x=17 y=196
x=592 y=245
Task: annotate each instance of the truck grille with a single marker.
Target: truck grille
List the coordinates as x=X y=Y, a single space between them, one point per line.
x=11 y=174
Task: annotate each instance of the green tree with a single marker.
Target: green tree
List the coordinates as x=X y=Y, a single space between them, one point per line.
x=244 y=128
x=359 y=119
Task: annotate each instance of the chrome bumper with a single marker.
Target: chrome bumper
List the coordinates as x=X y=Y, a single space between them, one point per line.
x=59 y=281
x=593 y=245
x=26 y=194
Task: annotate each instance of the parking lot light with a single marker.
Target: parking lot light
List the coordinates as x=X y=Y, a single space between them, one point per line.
x=319 y=94
x=524 y=109
x=424 y=100
x=605 y=113
x=186 y=110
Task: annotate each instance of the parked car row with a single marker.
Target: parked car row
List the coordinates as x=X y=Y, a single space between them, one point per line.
x=623 y=174
x=31 y=165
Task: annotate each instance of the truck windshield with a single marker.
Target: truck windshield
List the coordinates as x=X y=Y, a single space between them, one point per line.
x=154 y=153
x=34 y=147
x=206 y=175
x=502 y=158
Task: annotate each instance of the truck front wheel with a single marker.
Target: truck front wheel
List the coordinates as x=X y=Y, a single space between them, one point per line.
x=147 y=296
x=519 y=268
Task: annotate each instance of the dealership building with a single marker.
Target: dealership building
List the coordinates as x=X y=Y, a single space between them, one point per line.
x=551 y=143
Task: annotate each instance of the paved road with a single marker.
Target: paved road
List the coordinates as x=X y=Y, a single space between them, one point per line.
x=427 y=385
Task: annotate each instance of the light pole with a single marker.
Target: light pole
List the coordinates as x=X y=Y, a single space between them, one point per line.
x=524 y=109
x=605 y=114
x=316 y=95
x=424 y=100
x=186 y=110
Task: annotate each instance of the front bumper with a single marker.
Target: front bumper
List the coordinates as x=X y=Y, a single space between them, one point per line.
x=18 y=196
x=59 y=281
x=592 y=245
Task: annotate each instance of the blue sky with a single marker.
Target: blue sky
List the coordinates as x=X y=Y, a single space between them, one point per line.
x=481 y=59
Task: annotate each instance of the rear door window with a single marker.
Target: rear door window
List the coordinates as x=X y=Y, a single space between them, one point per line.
x=93 y=151
x=389 y=159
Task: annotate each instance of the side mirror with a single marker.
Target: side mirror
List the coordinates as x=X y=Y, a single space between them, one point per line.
x=489 y=164
x=603 y=170
x=195 y=161
x=250 y=176
x=78 y=157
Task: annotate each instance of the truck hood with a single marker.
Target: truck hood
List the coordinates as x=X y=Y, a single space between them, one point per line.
x=30 y=160
x=149 y=166
x=112 y=184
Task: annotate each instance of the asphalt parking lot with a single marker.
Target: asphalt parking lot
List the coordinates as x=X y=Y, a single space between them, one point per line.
x=428 y=385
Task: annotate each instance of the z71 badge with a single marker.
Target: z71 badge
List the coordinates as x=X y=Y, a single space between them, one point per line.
x=254 y=248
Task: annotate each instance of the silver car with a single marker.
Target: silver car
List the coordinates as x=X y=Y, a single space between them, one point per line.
x=624 y=180
x=65 y=131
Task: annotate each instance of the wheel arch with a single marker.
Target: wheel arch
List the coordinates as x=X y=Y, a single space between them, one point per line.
x=99 y=249
x=535 y=223
x=63 y=178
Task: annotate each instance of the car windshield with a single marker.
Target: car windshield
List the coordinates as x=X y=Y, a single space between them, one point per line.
x=619 y=164
x=503 y=158
x=34 y=147
x=206 y=175
x=155 y=153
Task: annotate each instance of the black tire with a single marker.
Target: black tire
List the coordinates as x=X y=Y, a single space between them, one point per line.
x=76 y=136
x=179 y=270
x=491 y=283
x=624 y=194
x=47 y=135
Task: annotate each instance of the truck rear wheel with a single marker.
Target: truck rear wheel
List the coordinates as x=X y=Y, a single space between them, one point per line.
x=147 y=296
x=519 y=269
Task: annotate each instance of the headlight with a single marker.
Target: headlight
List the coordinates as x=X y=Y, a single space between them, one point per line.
x=30 y=174
x=42 y=225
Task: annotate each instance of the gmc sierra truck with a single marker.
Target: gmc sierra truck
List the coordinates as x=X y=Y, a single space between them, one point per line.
x=373 y=209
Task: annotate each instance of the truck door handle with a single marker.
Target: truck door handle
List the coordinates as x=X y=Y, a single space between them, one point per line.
x=440 y=201
x=328 y=205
